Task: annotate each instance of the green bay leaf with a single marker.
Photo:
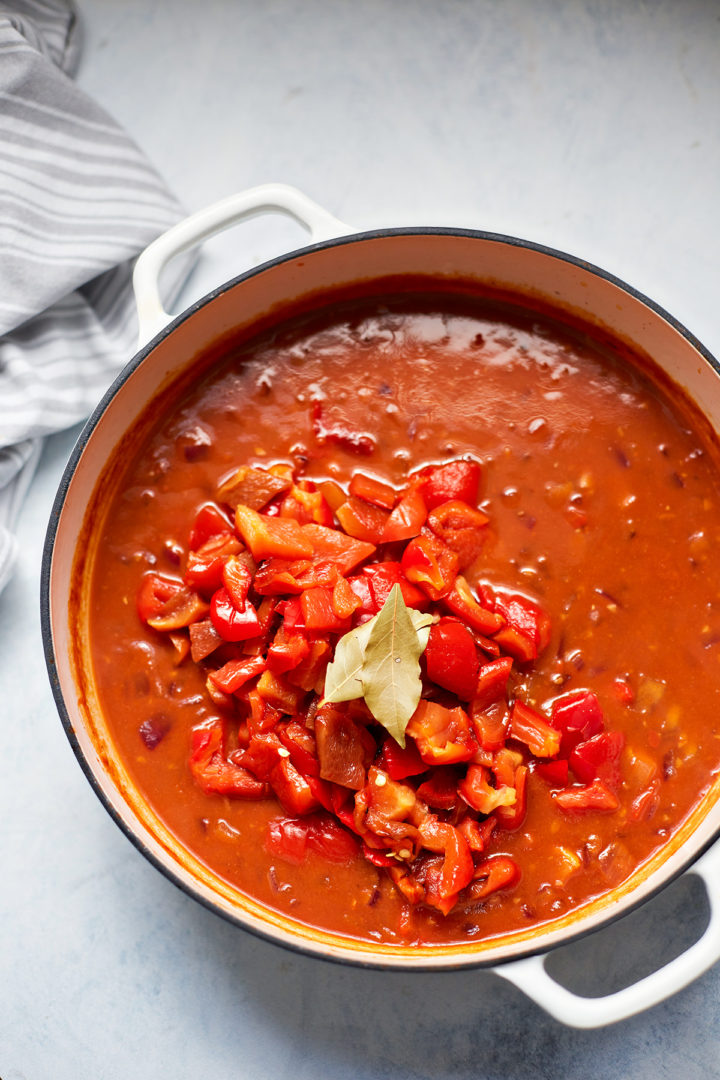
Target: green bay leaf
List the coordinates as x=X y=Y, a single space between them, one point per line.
x=390 y=670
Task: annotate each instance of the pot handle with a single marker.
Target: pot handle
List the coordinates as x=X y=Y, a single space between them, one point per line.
x=531 y=977
x=267 y=198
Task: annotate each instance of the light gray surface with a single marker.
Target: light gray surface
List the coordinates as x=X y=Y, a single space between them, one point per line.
x=592 y=127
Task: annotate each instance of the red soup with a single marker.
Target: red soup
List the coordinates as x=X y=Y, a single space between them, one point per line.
x=405 y=621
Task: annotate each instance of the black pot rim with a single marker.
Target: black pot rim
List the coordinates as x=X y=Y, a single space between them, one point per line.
x=449 y=963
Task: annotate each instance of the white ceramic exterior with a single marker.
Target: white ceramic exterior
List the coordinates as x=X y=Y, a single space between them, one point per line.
x=503 y=263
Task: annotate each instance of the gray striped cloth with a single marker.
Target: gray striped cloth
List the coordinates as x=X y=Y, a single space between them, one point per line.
x=78 y=201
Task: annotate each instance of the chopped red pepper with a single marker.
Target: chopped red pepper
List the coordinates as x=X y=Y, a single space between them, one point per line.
x=452 y=480
x=407 y=519
x=231 y=623
x=531 y=727
x=429 y=563
x=451 y=659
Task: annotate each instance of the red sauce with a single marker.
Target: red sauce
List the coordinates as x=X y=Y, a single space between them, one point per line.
x=603 y=503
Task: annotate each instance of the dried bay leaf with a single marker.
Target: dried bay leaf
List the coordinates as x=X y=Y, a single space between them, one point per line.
x=391 y=669
x=343 y=678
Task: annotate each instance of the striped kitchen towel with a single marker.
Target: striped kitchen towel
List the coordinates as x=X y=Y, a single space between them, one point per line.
x=78 y=201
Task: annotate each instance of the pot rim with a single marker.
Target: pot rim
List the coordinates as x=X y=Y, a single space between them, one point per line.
x=431 y=959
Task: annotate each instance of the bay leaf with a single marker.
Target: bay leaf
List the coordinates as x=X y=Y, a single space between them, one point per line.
x=390 y=670
x=343 y=677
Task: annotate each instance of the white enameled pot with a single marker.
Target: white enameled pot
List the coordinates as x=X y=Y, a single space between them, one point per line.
x=337 y=257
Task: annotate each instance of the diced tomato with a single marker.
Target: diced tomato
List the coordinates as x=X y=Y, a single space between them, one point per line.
x=531 y=728
x=209 y=521
x=269 y=537
x=451 y=659
x=429 y=563
x=461 y=602
x=594 y=796
x=373 y=491
x=461 y=527
x=212 y=771
x=599 y=757
x=400 y=762
x=231 y=623
x=623 y=691
x=443 y=736
x=452 y=480
x=578 y=716
x=407 y=519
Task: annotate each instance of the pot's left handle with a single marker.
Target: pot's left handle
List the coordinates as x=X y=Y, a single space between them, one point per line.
x=267 y=198
x=531 y=977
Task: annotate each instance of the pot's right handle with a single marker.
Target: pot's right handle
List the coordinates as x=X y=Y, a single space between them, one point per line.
x=531 y=977
x=267 y=198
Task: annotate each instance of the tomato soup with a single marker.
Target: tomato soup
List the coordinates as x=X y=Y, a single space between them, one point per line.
x=546 y=515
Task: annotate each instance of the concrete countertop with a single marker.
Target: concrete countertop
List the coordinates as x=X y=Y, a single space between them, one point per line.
x=590 y=127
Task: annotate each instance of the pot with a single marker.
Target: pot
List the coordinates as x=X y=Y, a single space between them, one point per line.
x=338 y=256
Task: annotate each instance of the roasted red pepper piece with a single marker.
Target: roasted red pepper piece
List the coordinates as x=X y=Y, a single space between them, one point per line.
x=287 y=838
x=492 y=682
x=231 y=623
x=296 y=738
x=272 y=537
x=443 y=736
x=531 y=728
x=458 y=867
x=595 y=796
x=400 y=762
x=231 y=676
x=430 y=564
x=237 y=578
x=154 y=593
x=461 y=527
x=253 y=487
x=578 y=716
x=292 y=789
x=527 y=631
x=362 y=520
x=490 y=724
x=599 y=757
x=478 y=792
x=554 y=773
x=209 y=521
x=287 y=651
x=461 y=602
x=407 y=519
x=205 y=566
x=318 y=612
x=331 y=545
x=382 y=577
x=450 y=658
x=452 y=480
x=345 y=748
x=373 y=491
x=494 y=873
x=440 y=789
x=305 y=504
x=512 y=816
x=213 y=772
